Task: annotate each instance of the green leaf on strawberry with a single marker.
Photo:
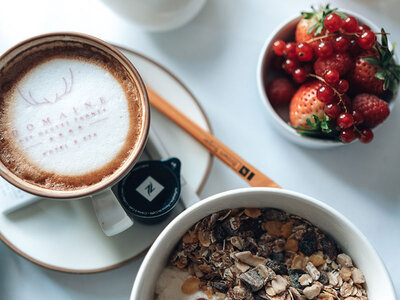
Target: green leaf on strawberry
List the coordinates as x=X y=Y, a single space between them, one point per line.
x=319 y=16
x=388 y=71
x=325 y=128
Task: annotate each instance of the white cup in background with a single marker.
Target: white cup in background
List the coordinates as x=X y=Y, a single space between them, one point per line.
x=157 y=15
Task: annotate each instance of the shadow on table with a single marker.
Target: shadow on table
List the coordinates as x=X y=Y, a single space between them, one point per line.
x=114 y=284
x=3 y=274
x=206 y=36
x=375 y=169
x=388 y=8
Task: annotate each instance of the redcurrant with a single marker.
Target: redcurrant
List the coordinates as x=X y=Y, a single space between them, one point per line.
x=279 y=47
x=332 y=77
x=367 y=40
x=354 y=49
x=332 y=110
x=345 y=120
x=350 y=24
x=324 y=49
x=347 y=135
x=299 y=75
x=304 y=52
x=333 y=22
x=342 y=86
x=289 y=65
x=366 y=136
x=358 y=117
x=291 y=50
x=325 y=94
x=341 y=44
x=363 y=27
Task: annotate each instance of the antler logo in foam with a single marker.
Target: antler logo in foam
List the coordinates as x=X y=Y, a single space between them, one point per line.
x=31 y=100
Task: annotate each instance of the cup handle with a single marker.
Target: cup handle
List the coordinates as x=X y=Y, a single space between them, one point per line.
x=111 y=216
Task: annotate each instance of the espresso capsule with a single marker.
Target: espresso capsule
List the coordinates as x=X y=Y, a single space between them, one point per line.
x=151 y=190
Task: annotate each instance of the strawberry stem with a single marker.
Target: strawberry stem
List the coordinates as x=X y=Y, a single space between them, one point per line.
x=341 y=102
x=321 y=37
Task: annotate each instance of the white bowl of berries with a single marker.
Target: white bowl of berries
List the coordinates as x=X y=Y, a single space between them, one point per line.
x=328 y=77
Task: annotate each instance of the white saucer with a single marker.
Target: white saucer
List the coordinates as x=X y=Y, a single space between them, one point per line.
x=65 y=235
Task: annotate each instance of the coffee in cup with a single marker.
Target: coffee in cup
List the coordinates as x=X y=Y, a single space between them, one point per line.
x=74 y=115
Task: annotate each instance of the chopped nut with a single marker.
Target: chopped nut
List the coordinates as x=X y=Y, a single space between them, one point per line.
x=204 y=237
x=312 y=270
x=265 y=272
x=358 y=276
x=197 y=271
x=273 y=227
x=344 y=260
x=270 y=291
x=292 y=245
x=252 y=212
x=312 y=291
x=317 y=259
x=295 y=294
x=190 y=286
x=250 y=259
x=299 y=262
x=286 y=229
x=252 y=280
x=305 y=279
x=345 y=273
x=279 y=284
x=190 y=237
x=238 y=242
x=334 y=265
x=241 y=266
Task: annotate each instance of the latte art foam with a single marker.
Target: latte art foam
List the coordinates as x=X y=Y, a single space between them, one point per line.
x=69 y=117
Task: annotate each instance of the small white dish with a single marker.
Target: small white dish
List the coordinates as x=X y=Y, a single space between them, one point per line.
x=280 y=117
x=65 y=235
x=350 y=239
x=157 y=15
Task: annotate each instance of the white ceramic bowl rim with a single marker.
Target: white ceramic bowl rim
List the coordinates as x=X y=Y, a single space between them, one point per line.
x=291 y=132
x=187 y=215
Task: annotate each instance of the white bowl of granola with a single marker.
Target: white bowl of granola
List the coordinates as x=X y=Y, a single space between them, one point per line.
x=301 y=230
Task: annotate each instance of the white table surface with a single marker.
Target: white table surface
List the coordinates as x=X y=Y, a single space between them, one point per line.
x=216 y=56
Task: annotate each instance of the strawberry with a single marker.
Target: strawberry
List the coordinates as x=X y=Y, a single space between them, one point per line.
x=340 y=62
x=362 y=76
x=373 y=109
x=304 y=105
x=375 y=71
x=302 y=30
x=312 y=25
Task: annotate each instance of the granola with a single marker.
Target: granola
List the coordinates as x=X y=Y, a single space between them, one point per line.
x=258 y=254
